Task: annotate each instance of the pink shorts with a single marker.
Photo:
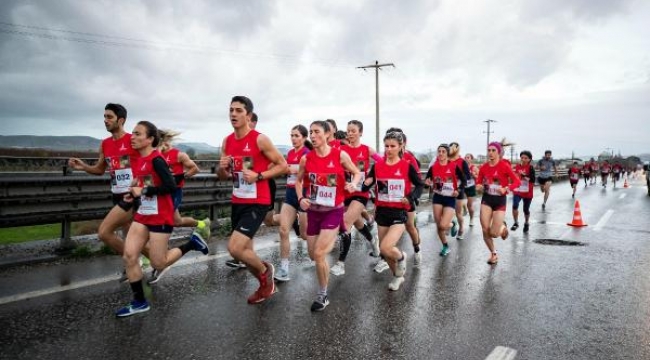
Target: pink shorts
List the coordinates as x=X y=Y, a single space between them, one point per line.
x=325 y=220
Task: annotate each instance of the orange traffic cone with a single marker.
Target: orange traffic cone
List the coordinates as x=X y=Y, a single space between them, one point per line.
x=625 y=184
x=577 y=216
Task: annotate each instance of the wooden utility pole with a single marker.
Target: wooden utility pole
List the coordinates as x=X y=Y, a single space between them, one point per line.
x=377 y=66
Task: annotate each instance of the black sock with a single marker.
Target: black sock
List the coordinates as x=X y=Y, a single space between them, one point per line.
x=366 y=232
x=187 y=247
x=416 y=248
x=138 y=291
x=346 y=241
x=296 y=227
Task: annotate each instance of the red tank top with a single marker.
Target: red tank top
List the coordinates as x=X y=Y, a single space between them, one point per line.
x=497 y=176
x=336 y=143
x=525 y=189
x=392 y=184
x=574 y=173
x=360 y=156
x=444 y=178
x=247 y=155
x=171 y=157
x=293 y=160
x=119 y=156
x=156 y=209
x=325 y=178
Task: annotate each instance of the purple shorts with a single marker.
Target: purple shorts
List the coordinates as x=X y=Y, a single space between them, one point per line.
x=325 y=220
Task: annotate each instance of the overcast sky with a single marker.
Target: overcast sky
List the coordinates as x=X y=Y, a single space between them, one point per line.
x=558 y=74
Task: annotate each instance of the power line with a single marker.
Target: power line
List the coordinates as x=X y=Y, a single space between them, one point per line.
x=155 y=45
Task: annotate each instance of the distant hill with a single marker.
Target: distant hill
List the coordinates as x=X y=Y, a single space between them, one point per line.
x=80 y=143
x=74 y=143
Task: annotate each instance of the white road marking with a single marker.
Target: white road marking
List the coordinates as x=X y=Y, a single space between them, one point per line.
x=502 y=353
x=105 y=279
x=603 y=220
x=622 y=196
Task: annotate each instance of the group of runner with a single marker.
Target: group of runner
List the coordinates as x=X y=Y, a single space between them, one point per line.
x=329 y=185
x=592 y=169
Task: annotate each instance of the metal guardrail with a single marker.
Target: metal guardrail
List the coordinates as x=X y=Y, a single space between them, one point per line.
x=37 y=200
x=28 y=201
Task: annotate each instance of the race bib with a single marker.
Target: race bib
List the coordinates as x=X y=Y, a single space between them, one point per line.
x=494 y=189
x=121 y=181
x=471 y=182
x=447 y=189
x=574 y=176
x=323 y=195
x=148 y=205
x=523 y=188
x=291 y=179
x=242 y=189
x=395 y=191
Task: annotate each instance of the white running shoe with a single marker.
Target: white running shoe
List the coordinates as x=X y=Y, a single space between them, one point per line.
x=381 y=266
x=417 y=259
x=471 y=222
x=395 y=283
x=338 y=269
x=400 y=269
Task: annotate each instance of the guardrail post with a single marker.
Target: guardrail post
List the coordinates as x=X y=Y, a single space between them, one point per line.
x=66 y=240
x=212 y=212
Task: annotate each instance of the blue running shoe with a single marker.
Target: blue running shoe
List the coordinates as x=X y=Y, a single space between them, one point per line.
x=133 y=308
x=200 y=235
x=445 y=250
x=454 y=227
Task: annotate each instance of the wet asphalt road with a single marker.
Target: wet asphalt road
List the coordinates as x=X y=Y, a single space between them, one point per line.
x=544 y=301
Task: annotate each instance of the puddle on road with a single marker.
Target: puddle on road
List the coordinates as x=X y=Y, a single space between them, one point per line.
x=559 y=242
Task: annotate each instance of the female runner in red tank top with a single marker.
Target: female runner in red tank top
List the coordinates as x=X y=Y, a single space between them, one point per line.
x=447 y=180
x=526 y=173
x=153 y=221
x=470 y=190
x=356 y=202
x=290 y=208
x=322 y=174
x=495 y=177
x=398 y=186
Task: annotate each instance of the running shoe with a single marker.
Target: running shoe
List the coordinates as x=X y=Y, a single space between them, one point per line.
x=200 y=237
x=394 y=284
x=493 y=259
x=526 y=227
x=445 y=250
x=400 y=269
x=320 y=303
x=338 y=269
x=133 y=308
x=417 y=259
x=236 y=264
x=156 y=275
x=267 y=286
x=515 y=226
x=460 y=236
x=374 y=243
x=543 y=206
x=381 y=266
x=282 y=275
x=454 y=227
x=471 y=221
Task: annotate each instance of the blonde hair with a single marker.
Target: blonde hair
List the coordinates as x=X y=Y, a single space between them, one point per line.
x=166 y=138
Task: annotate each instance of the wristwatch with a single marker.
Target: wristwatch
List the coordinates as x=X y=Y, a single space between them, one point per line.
x=260 y=177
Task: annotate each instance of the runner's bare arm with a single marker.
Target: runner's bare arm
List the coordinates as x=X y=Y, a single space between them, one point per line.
x=347 y=164
x=189 y=165
x=279 y=166
x=223 y=171
x=98 y=169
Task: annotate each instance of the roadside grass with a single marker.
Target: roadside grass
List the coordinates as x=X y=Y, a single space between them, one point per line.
x=15 y=235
